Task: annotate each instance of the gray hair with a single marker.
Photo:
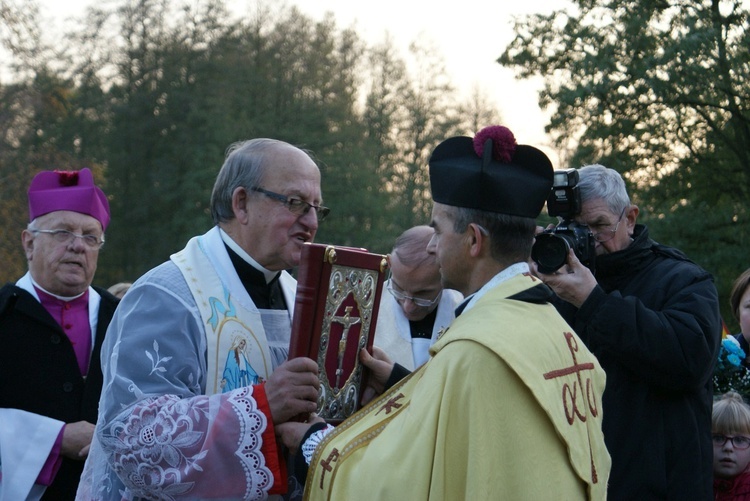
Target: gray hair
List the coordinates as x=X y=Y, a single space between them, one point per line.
x=244 y=167
x=511 y=237
x=600 y=182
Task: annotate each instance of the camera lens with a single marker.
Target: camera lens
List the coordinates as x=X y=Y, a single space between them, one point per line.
x=550 y=251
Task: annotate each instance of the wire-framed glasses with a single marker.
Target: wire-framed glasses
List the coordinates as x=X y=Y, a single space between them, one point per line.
x=739 y=442
x=422 y=302
x=65 y=237
x=296 y=206
x=608 y=234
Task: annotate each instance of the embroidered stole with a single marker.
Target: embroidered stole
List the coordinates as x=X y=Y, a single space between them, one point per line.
x=238 y=352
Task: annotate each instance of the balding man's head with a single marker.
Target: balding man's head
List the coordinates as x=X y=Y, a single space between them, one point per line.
x=415 y=276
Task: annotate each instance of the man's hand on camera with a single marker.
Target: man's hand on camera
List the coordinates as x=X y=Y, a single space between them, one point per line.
x=541 y=229
x=532 y=264
x=572 y=283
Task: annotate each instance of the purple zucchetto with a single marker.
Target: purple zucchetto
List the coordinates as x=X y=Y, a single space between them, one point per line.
x=492 y=173
x=75 y=191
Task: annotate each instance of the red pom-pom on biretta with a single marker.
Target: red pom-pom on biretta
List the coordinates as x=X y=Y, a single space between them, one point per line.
x=507 y=178
x=503 y=143
x=67 y=177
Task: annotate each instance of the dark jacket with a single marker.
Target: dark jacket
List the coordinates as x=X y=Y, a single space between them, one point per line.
x=654 y=324
x=39 y=372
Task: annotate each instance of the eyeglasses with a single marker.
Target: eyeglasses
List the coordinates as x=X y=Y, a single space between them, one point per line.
x=607 y=235
x=738 y=442
x=65 y=237
x=295 y=205
x=400 y=296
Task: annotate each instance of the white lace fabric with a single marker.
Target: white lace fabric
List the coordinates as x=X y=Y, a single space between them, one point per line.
x=161 y=446
x=158 y=435
x=308 y=448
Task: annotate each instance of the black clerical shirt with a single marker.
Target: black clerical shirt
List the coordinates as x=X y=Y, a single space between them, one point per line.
x=423 y=328
x=266 y=296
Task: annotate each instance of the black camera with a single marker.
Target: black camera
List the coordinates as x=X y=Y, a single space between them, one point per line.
x=550 y=250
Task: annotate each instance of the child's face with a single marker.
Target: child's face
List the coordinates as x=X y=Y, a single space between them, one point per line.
x=730 y=461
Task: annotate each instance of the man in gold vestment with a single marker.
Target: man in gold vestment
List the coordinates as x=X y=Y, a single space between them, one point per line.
x=509 y=404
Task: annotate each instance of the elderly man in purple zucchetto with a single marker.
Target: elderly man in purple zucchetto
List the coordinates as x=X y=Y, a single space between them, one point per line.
x=52 y=324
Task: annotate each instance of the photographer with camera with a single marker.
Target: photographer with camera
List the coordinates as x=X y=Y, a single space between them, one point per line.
x=651 y=317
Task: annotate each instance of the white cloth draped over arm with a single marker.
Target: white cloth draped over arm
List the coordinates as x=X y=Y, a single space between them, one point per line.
x=20 y=464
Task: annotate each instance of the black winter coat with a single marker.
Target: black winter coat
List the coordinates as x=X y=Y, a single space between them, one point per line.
x=39 y=372
x=654 y=324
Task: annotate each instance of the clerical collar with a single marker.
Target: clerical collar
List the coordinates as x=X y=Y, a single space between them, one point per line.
x=506 y=274
x=423 y=328
x=265 y=295
x=61 y=298
x=268 y=274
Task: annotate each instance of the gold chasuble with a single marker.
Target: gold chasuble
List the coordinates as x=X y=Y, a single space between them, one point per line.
x=508 y=407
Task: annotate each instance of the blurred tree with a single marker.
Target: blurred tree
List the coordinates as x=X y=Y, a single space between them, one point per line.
x=384 y=117
x=37 y=123
x=430 y=114
x=154 y=143
x=150 y=93
x=478 y=112
x=659 y=91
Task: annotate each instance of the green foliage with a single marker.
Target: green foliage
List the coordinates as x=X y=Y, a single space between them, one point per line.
x=658 y=91
x=150 y=93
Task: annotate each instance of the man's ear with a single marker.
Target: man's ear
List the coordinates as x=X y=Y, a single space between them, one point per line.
x=240 y=200
x=477 y=236
x=27 y=240
x=631 y=215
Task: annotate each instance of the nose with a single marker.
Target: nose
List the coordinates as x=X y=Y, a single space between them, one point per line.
x=310 y=219
x=76 y=244
x=408 y=305
x=431 y=245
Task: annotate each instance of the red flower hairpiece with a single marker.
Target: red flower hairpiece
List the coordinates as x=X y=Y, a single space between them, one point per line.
x=67 y=177
x=503 y=142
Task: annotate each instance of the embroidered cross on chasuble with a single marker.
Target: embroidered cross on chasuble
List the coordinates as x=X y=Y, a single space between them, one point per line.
x=508 y=384
x=579 y=398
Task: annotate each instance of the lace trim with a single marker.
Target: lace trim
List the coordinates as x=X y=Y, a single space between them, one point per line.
x=159 y=445
x=259 y=478
x=308 y=448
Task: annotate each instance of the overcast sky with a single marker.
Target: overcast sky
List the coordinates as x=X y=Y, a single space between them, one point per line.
x=469 y=34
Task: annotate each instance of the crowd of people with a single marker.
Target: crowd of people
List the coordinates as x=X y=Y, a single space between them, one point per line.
x=489 y=378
